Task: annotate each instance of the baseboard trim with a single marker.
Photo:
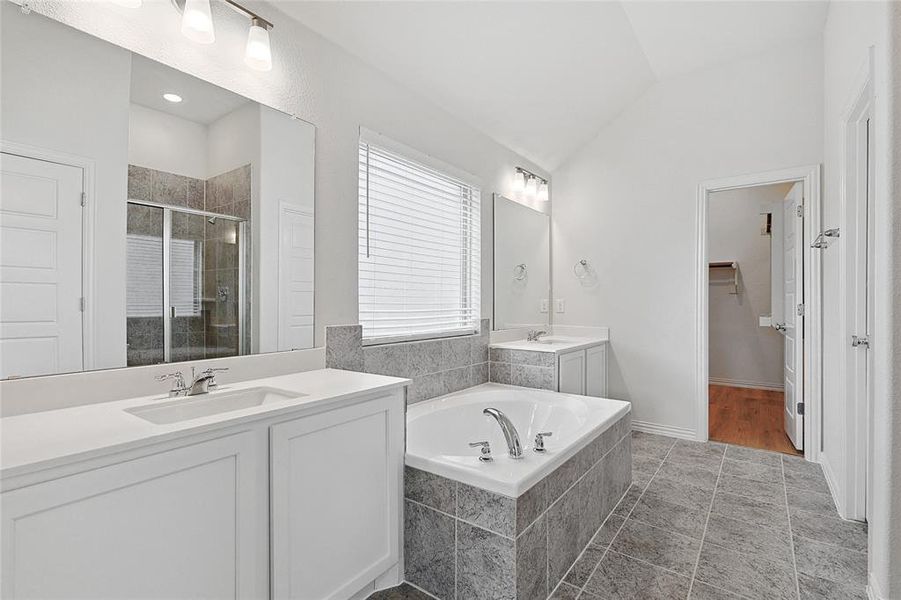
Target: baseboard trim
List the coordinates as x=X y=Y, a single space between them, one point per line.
x=754 y=385
x=832 y=484
x=676 y=432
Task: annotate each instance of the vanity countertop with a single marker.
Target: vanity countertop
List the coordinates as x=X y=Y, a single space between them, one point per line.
x=52 y=438
x=556 y=344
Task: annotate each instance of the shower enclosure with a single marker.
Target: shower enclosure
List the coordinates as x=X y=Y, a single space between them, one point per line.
x=186 y=284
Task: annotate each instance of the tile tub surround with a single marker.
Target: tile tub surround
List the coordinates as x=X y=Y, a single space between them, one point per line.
x=437 y=367
x=463 y=542
x=525 y=368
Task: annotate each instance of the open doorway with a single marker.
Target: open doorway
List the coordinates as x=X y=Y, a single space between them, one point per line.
x=755 y=274
x=758 y=311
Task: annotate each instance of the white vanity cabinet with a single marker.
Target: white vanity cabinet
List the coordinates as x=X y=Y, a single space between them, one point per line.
x=303 y=504
x=583 y=371
x=337 y=481
x=180 y=523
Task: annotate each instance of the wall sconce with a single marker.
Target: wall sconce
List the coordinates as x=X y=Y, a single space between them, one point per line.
x=197 y=26
x=529 y=184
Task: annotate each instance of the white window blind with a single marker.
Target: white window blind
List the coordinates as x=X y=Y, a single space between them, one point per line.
x=419 y=249
x=144 y=276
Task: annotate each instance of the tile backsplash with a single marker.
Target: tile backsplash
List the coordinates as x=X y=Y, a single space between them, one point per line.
x=524 y=368
x=437 y=367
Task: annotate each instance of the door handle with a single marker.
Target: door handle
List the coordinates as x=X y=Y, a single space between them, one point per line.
x=860 y=341
x=172 y=312
x=779 y=326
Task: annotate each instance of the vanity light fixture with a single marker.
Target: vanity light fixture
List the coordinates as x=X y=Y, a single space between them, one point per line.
x=170 y=97
x=529 y=184
x=197 y=25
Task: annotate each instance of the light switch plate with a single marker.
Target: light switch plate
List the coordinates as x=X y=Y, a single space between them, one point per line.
x=561 y=305
x=544 y=305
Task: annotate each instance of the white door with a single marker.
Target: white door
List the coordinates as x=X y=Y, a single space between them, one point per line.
x=40 y=267
x=571 y=373
x=295 y=279
x=793 y=289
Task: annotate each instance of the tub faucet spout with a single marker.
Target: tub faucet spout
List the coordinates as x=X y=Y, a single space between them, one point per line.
x=514 y=447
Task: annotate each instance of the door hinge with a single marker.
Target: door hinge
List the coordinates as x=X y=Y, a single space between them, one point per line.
x=81 y=304
x=857 y=341
x=801 y=310
x=84 y=199
x=801 y=408
x=800 y=210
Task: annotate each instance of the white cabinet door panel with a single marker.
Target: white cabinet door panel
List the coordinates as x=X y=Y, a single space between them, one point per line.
x=183 y=523
x=571 y=376
x=336 y=480
x=596 y=371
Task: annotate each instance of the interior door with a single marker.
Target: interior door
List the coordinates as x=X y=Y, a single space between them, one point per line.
x=295 y=279
x=40 y=267
x=793 y=294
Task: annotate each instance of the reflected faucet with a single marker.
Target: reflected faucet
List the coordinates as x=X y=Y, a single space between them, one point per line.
x=514 y=447
x=534 y=335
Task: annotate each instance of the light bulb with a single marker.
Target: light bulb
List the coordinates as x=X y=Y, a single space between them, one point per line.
x=129 y=3
x=197 y=22
x=519 y=182
x=542 y=192
x=531 y=188
x=258 y=54
x=173 y=98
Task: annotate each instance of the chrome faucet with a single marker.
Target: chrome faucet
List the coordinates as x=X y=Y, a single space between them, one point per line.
x=534 y=335
x=514 y=447
x=200 y=384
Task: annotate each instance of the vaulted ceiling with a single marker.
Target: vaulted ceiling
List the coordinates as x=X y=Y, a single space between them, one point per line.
x=544 y=77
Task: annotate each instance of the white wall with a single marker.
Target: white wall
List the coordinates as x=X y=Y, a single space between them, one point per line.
x=522 y=236
x=233 y=140
x=741 y=351
x=164 y=142
x=852 y=28
x=44 y=77
x=627 y=203
x=317 y=81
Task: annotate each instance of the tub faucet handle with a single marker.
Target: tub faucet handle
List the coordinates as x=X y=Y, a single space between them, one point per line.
x=485 y=456
x=539 y=441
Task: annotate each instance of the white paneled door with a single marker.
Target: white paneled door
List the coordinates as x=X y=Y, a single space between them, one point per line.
x=40 y=267
x=295 y=279
x=793 y=294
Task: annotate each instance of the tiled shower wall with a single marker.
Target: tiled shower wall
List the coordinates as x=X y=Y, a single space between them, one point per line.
x=437 y=367
x=214 y=333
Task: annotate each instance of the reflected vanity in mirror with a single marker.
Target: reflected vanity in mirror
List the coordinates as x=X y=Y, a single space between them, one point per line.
x=146 y=215
x=521 y=265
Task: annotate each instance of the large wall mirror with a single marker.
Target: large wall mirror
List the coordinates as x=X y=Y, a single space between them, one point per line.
x=522 y=274
x=146 y=216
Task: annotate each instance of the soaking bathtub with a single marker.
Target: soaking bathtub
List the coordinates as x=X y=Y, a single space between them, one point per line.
x=439 y=432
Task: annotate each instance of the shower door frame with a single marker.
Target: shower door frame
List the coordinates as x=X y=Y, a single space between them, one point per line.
x=242 y=268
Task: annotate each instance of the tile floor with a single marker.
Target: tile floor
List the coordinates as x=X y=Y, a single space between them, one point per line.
x=716 y=522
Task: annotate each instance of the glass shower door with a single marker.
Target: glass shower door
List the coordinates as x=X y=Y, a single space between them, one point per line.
x=185 y=258
x=144 y=313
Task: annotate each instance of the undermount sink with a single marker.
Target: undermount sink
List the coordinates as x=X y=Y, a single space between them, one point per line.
x=213 y=403
x=553 y=340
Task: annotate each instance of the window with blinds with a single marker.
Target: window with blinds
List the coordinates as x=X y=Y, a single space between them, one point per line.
x=419 y=254
x=144 y=276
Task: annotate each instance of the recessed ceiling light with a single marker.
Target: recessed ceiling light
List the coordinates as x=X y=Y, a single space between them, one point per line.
x=170 y=97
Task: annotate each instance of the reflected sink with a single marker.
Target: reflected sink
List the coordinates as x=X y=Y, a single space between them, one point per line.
x=553 y=340
x=214 y=403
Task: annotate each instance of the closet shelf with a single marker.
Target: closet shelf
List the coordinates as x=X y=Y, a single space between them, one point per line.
x=728 y=264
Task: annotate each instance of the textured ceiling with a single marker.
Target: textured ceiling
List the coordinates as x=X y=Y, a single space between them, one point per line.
x=544 y=77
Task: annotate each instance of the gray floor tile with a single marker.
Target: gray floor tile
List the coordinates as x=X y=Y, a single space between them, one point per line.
x=580 y=572
x=752 y=470
x=679 y=492
x=749 y=538
x=565 y=592
x=750 y=576
x=647 y=463
x=702 y=591
x=765 y=492
x=700 y=456
x=750 y=510
x=812 y=501
x=608 y=531
x=621 y=577
x=805 y=475
x=628 y=500
x=684 y=470
x=657 y=546
x=830 y=562
x=650 y=444
x=687 y=520
x=816 y=588
x=764 y=457
x=829 y=529
x=641 y=478
x=404 y=591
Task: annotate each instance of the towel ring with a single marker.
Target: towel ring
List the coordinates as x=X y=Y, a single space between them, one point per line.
x=580 y=269
x=519 y=272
